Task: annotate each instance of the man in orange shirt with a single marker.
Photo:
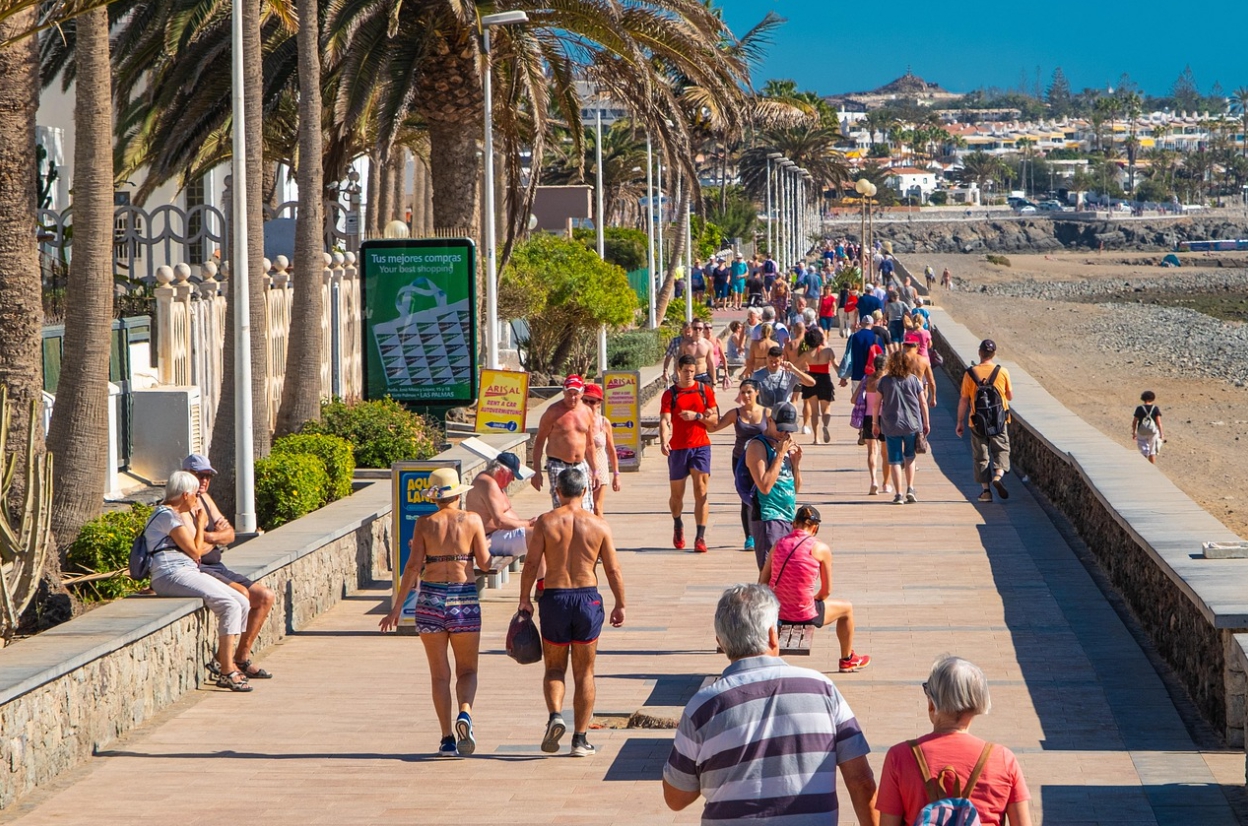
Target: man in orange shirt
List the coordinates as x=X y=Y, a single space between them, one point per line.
x=985 y=406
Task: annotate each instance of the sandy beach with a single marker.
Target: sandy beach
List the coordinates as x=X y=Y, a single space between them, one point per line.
x=1062 y=344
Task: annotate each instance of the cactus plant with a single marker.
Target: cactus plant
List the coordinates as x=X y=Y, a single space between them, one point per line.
x=23 y=546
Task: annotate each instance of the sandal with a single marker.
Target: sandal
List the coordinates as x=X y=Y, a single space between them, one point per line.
x=235 y=681
x=252 y=672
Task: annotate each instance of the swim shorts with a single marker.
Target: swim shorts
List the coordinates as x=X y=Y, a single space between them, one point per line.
x=683 y=460
x=556 y=466
x=451 y=607
x=571 y=616
x=508 y=542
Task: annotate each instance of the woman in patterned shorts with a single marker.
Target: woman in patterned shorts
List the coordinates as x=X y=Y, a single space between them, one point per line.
x=444 y=547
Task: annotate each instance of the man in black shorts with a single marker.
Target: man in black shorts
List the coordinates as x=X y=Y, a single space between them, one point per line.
x=571 y=541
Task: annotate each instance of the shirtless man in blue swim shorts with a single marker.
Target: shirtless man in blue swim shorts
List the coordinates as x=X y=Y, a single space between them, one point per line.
x=571 y=541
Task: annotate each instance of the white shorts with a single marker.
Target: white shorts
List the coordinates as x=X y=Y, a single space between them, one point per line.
x=509 y=542
x=1149 y=447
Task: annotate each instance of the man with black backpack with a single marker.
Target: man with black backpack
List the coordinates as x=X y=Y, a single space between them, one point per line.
x=985 y=405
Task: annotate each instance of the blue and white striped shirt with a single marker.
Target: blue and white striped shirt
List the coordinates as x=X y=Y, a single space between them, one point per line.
x=763 y=742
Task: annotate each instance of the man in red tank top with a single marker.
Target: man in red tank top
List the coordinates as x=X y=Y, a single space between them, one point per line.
x=799 y=571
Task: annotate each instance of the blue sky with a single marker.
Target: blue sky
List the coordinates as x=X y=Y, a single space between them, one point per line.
x=840 y=47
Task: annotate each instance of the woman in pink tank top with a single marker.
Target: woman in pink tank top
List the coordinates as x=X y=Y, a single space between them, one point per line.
x=799 y=571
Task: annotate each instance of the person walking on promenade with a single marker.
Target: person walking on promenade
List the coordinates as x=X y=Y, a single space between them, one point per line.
x=984 y=404
x=860 y=352
x=921 y=366
x=219 y=533
x=774 y=462
x=758 y=349
x=870 y=391
x=847 y=311
x=819 y=361
x=604 y=448
x=740 y=271
x=568 y=427
x=445 y=546
x=827 y=309
x=718 y=359
x=692 y=343
x=176 y=540
x=778 y=377
x=929 y=276
x=726 y=746
x=1146 y=426
x=799 y=571
x=687 y=409
x=946 y=279
x=571 y=542
x=896 y=311
x=748 y=420
x=901 y=415
x=985 y=773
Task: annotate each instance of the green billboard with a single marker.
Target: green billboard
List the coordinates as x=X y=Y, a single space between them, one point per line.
x=420 y=319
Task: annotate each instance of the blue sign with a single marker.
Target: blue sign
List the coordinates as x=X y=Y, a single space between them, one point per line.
x=409 y=481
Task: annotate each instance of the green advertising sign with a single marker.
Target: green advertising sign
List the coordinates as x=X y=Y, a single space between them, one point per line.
x=420 y=319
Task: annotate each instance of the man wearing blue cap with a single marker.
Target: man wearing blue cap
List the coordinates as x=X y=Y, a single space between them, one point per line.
x=220 y=533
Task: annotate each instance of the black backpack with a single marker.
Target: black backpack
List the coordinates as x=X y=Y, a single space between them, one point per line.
x=989 y=416
x=676 y=391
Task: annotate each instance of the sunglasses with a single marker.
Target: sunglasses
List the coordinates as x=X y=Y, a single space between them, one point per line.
x=592 y=401
x=202 y=476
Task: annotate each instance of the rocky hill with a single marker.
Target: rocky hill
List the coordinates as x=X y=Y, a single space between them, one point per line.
x=1045 y=235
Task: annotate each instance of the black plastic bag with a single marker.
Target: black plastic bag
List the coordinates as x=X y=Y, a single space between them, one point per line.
x=524 y=643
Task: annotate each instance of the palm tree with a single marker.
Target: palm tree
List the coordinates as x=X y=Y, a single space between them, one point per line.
x=79 y=426
x=301 y=392
x=1240 y=101
x=21 y=306
x=981 y=168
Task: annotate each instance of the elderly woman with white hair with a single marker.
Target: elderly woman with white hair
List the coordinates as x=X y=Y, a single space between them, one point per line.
x=965 y=766
x=175 y=540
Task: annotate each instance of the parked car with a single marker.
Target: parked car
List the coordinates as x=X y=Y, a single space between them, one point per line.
x=1050 y=206
x=1025 y=209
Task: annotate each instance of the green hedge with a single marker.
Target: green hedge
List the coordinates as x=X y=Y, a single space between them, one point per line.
x=288 y=485
x=635 y=349
x=674 y=316
x=335 y=452
x=103 y=545
x=380 y=432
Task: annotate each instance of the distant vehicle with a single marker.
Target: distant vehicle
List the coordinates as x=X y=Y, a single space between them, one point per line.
x=1014 y=201
x=1050 y=206
x=1025 y=209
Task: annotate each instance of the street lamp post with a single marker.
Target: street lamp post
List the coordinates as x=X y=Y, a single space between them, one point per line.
x=650 y=231
x=600 y=221
x=658 y=185
x=785 y=228
x=491 y=264
x=771 y=213
x=867 y=190
x=244 y=447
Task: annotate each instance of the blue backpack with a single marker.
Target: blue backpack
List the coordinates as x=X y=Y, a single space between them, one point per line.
x=944 y=809
x=140 y=557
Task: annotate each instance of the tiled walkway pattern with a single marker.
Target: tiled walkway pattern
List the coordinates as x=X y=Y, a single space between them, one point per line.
x=344 y=734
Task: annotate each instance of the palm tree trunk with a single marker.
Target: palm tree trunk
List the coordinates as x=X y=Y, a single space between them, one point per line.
x=21 y=303
x=678 y=251
x=301 y=393
x=250 y=261
x=372 y=194
x=79 y=427
x=398 y=177
x=420 y=174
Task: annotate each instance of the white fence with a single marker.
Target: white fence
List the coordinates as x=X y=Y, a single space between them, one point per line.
x=190 y=330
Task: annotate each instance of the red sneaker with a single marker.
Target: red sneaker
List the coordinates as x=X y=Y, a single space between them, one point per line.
x=678 y=538
x=854 y=662
x=699 y=545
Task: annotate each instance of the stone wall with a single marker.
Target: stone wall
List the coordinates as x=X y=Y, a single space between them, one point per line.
x=72 y=690
x=1043 y=234
x=1181 y=606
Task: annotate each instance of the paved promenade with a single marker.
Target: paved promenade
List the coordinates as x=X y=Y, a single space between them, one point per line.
x=345 y=733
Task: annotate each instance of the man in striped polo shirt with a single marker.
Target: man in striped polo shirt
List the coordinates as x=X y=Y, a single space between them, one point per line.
x=763 y=743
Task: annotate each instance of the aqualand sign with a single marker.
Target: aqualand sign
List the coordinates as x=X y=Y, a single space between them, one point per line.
x=502 y=404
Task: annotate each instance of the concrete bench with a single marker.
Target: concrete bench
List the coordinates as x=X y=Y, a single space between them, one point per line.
x=796 y=639
x=497 y=575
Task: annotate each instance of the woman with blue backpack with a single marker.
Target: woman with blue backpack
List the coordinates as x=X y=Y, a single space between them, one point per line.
x=950 y=776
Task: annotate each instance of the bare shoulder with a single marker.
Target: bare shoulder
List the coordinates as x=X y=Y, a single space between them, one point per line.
x=821 y=550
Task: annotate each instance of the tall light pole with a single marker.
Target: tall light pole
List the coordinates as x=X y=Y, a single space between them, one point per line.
x=689 y=262
x=600 y=225
x=658 y=184
x=650 y=230
x=244 y=447
x=491 y=264
x=771 y=214
x=782 y=238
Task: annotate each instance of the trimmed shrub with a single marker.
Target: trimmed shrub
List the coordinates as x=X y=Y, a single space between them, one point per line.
x=103 y=545
x=335 y=452
x=288 y=486
x=674 y=316
x=380 y=432
x=636 y=349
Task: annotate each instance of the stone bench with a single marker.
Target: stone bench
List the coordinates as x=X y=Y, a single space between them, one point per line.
x=498 y=574
x=796 y=640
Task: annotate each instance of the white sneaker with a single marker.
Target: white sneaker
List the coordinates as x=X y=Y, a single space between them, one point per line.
x=806 y=430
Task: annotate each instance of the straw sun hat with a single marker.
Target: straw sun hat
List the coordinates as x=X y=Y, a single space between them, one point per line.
x=444 y=484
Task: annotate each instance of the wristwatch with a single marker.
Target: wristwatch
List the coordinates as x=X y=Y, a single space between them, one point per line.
x=699 y=417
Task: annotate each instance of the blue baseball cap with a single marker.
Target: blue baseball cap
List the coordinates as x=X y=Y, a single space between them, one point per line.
x=198 y=463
